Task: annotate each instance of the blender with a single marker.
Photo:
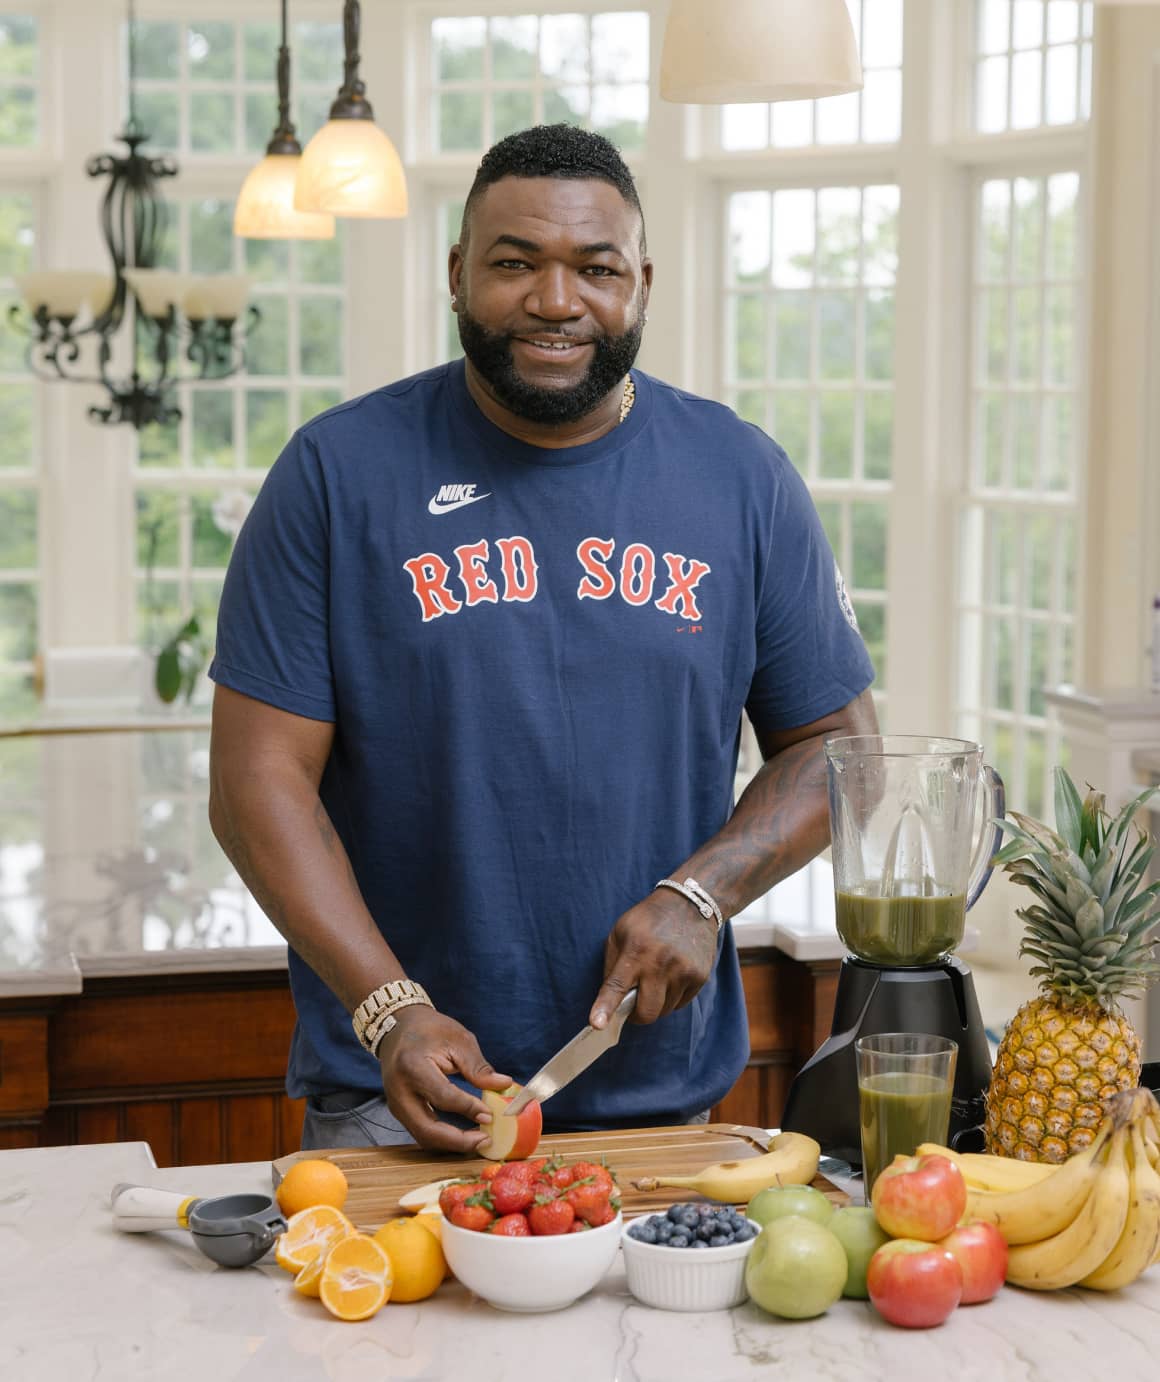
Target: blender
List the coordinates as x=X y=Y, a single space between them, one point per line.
x=903 y=812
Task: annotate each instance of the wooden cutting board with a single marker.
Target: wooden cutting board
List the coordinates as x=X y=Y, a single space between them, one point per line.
x=378 y=1176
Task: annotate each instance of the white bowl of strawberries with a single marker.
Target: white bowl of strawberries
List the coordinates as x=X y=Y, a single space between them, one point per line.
x=534 y=1235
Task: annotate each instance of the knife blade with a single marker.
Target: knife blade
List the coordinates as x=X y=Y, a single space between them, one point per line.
x=577 y=1055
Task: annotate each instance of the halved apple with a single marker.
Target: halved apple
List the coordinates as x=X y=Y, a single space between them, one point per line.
x=424 y=1196
x=511 y=1138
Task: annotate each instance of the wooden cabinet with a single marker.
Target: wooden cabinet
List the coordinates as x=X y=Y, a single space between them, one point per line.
x=194 y=1065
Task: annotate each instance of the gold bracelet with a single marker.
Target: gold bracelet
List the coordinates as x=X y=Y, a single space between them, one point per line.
x=375 y=1015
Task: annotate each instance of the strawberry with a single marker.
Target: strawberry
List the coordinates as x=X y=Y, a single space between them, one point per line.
x=457 y=1193
x=511 y=1226
x=590 y=1171
x=473 y=1216
x=579 y=1227
x=590 y=1203
x=489 y=1173
x=513 y=1192
x=610 y=1212
x=550 y=1217
x=562 y=1177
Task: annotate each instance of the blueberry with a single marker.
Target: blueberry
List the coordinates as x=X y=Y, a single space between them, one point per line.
x=648 y=1234
x=664 y=1231
x=676 y=1213
x=698 y=1243
x=679 y=1240
x=719 y=1240
x=691 y=1219
x=635 y=1231
x=745 y=1233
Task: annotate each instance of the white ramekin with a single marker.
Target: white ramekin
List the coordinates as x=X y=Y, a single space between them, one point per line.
x=683 y=1278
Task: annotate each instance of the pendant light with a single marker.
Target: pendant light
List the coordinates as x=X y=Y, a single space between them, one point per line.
x=265 y=209
x=723 y=51
x=350 y=167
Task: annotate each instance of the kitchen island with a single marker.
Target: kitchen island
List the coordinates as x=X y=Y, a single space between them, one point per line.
x=80 y=1301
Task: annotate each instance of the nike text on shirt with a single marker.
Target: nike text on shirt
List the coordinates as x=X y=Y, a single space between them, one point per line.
x=518 y=576
x=451 y=497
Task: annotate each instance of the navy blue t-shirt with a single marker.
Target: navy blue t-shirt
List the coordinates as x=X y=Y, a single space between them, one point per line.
x=536 y=662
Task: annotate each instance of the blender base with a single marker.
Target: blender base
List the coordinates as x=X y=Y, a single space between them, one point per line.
x=938 y=999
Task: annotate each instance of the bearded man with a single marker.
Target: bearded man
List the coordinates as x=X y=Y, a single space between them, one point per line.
x=483 y=653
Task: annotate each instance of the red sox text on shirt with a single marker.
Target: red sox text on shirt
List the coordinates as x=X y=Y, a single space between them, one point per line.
x=435 y=581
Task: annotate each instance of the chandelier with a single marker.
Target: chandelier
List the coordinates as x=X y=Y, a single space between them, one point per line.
x=182 y=327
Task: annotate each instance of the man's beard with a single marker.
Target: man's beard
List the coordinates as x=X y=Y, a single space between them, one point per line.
x=491 y=354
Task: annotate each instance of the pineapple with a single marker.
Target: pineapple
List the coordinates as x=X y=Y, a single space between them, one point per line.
x=1090 y=933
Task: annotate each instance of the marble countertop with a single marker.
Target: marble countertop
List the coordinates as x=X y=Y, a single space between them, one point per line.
x=81 y=1302
x=108 y=867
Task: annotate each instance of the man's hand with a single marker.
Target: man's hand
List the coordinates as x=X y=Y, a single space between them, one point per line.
x=663 y=947
x=416 y=1057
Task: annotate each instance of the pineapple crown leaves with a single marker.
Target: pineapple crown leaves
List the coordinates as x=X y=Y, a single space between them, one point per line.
x=1091 y=929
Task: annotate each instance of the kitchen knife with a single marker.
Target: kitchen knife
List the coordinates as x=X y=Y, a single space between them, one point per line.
x=571 y=1059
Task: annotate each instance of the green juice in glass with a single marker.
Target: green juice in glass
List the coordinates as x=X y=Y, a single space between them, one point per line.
x=898 y=1111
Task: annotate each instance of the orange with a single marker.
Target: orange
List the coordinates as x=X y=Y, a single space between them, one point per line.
x=356 y=1278
x=308 y=1233
x=310 y=1182
x=309 y=1278
x=417 y=1261
x=431 y=1217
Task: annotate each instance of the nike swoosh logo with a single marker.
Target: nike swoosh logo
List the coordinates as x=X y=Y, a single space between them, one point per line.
x=434 y=506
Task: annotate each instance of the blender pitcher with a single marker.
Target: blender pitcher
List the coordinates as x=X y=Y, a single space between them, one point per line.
x=903 y=814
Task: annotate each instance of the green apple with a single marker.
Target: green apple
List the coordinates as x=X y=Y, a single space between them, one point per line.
x=778 y=1202
x=856 y=1228
x=795 y=1269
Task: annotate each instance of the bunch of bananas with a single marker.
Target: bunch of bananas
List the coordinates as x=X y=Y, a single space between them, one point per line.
x=1094 y=1221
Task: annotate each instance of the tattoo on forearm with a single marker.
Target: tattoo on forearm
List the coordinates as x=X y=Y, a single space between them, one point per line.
x=781 y=822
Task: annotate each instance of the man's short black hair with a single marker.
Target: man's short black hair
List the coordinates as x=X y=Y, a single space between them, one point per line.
x=553 y=151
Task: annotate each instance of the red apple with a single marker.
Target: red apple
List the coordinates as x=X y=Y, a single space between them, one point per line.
x=919 y=1197
x=510 y=1138
x=913 y=1283
x=981 y=1252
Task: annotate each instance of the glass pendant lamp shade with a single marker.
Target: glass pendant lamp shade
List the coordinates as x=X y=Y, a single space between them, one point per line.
x=265 y=208
x=351 y=168
x=725 y=51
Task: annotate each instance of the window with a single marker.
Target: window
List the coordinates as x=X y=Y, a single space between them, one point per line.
x=870 y=116
x=207 y=87
x=493 y=76
x=1032 y=63
x=1018 y=539
x=196 y=477
x=19 y=436
x=19 y=81
x=448 y=219
x=809 y=356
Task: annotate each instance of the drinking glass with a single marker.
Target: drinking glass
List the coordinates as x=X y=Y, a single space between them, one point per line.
x=905 y=1080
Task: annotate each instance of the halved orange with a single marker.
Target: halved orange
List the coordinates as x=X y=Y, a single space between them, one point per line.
x=308 y=1233
x=309 y=1279
x=356 y=1278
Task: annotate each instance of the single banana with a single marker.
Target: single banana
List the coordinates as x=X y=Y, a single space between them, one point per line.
x=792 y=1159
x=1039 y=1211
x=984 y=1171
x=1138 y=1242
x=1065 y=1258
